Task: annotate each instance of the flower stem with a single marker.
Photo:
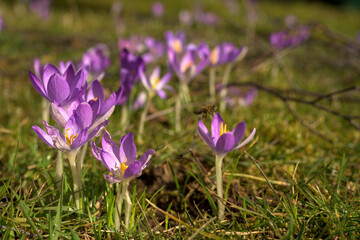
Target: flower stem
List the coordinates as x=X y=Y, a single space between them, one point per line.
x=184 y=91
x=59 y=170
x=76 y=178
x=178 y=114
x=223 y=91
x=124 y=116
x=128 y=204
x=118 y=208
x=82 y=156
x=45 y=109
x=212 y=83
x=219 y=186
x=143 y=118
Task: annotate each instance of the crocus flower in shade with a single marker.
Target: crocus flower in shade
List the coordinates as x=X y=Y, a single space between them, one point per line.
x=41 y=7
x=225 y=53
x=121 y=161
x=59 y=87
x=154 y=50
x=77 y=130
x=222 y=140
x=158 y=9
x=176 y=42
x=95 y=61
x=129 y=74
x=191 y=64
x=155 y=84
x=95 y=98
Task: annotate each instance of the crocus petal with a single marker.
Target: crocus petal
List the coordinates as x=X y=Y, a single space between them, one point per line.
x=96 y=91
x=83 y=114
x=215 y=126
x=96 y=150
x=97 y=131
x=204 y=134
x=145 y=158
x=238 y=132
x=49 y=70
x=43 y=136
x=134 y=169
x=161 y=94
x=111 y=163
x=224 y=144
x=111 y=179
x=155 y=75
x=57 y=115
x=247 y=140
x=109 y=145
x=128 y=148
x=57 y=138
x=164 y=80
x=58 y=89
x=144 y=79
x=81 y=139
x=37 y=84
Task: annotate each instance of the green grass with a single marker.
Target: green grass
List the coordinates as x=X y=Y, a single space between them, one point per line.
x=290 y=184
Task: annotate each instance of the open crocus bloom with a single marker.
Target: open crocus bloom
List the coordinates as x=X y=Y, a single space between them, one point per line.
x=194 y=60
x=153 y=83
x=77 y=130
x=226 y=53
x=121 y=161
x=222 y=140
x=57 y=86
x=101 y=110
x=176 y=42
x=155 y=50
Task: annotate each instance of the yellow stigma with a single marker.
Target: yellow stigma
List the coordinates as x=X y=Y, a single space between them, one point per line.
x=95 y=99
x=177 y=46
x=223 y=129
x=123 y=166
x=69 y=140
x=214 y=56
x=154 y=82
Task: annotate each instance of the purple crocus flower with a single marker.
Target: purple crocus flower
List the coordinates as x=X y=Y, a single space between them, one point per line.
x=239 y=95
x=139 y=101
x=194 y=60
x=55 y=86
x=221 y=140
x=225 y=53
x=77 y=130
x=185 y=17
x=176 y=42
x=154 y=84
x=41 y=7
x=129 y=74
x=134 y=44
x=285 y=39
x=95 y=61
x=95 y=98
x=121 y=161
x=155 y=50
x=158 y=9
x=207 y=18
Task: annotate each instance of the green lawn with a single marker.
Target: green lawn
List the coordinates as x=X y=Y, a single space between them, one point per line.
x=298 y=179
